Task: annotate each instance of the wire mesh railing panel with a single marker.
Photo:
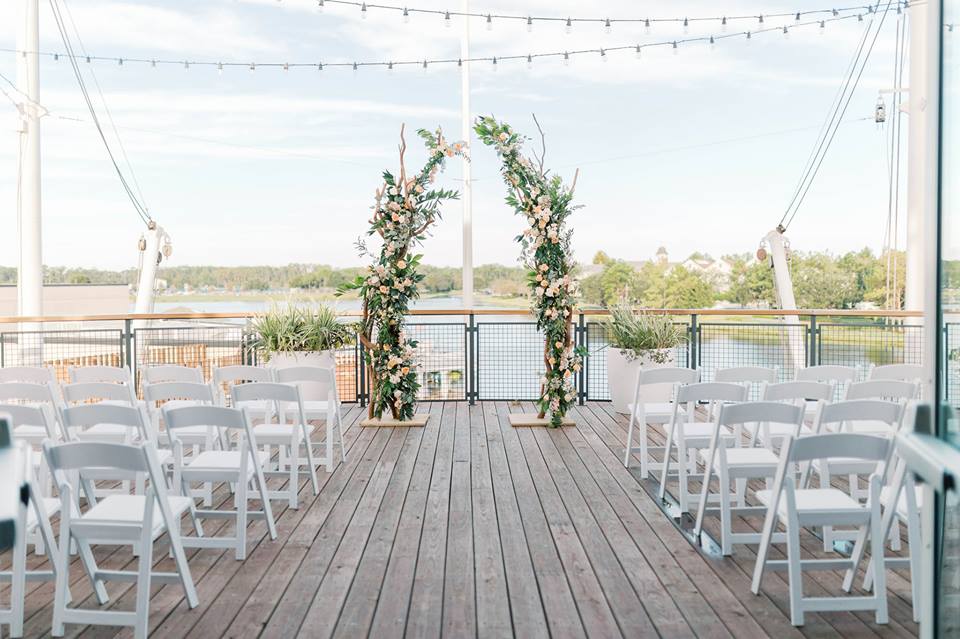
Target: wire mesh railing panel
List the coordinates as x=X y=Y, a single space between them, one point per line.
x=62 y=350
x=598 y=345
x=865 y=345
x=509 y=361
x=782 y=347
x=199 y=346
x=952 y=363
x=441 y=358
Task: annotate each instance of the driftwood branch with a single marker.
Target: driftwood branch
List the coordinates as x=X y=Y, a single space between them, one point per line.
x=573 y=185
x=543 y=144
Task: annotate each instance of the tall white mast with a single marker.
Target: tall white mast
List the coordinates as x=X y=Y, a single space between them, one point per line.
x=918 y=166
x=30 y=269
x=465 y=122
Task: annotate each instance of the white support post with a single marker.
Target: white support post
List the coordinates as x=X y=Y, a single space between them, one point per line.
x=467 y=195
x=918 y=164
x=30 y=267
x=784 y=288
x=150 y=261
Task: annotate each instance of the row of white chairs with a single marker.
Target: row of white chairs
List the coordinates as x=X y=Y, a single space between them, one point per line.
x=95 y=429
x=736 y=441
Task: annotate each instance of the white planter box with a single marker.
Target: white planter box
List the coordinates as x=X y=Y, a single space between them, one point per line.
x=622 y=376
x=324 y=359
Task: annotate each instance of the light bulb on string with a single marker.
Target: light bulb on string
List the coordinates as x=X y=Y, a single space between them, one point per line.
x=320 y=66
x=406 y=16
x=712 y=43
x=529 y=24
x=607 y=28
x=186 y=65
x=859 y=17
x=748 y=36
x=823 y=26
x=219 y=68
x=786 y=32
x=119 y=61
x=760 y=19
x=363 y=10
x=494 y=63
x=723 y=23
x=637 y=53
x=88 y=59
x=153 y=63
x=286 y=66
x=603 y=55
x=835 y=13
x=320 y=6
x=253 y=67
x=446 y=19
x=686 y=26
x=489 y=22
x=569 y=27
x=56 y=57
x=566 y=58
x=675 y=49
x=529 y=61
x=646 y=26
x=424 y=66
x=355 y=67
x=390 y=66
x=798 y=16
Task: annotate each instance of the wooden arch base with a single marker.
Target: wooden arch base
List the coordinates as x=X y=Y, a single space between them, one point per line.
x=420 y=419
x=520 y=420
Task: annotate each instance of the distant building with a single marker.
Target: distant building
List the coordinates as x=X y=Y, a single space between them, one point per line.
x=72 y=299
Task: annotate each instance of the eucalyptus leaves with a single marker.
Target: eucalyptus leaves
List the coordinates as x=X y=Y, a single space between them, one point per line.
x=545 y=202
x=404 y=209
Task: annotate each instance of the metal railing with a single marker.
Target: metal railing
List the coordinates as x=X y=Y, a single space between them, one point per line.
x=483 y=354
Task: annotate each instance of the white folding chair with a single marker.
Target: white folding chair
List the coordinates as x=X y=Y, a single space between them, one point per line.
x=901 y=501
x=738 y=463
x=653 y=403
x=108 y=393
x=802 y=394
x=226 y=377
x=160 y=373
x=109 y=423
x=198 y=438
x=32 y=526
x=317 y=381
x=860 y=416
x=242 y=467
x=32 y=375
x=755 y=378
x=43 y=397
x=106 y=374
x=689 y=436
x=286 y=435
x=137 y=520
x=889 y=389
x=837 y=376
x=899 y=372
x=796 y=508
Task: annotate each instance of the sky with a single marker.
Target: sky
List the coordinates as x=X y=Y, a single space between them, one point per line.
x=697 y=151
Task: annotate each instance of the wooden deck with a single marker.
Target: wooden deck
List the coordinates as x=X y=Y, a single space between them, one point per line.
x=469 y=527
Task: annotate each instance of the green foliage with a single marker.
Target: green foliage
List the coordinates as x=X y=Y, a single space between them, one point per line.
x=290 y=328
x=545 y=203
x=642 y=332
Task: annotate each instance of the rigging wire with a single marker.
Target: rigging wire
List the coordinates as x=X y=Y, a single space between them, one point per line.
x=68 y=45
x=788 y=215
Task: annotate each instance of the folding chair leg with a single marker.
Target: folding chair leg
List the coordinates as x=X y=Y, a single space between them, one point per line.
x=877 y=543
x=265 y=500
x=19 y=577
x=794 y=574
x=293 y=484
x=626 y=452
x=311 y=464
x=661 y=493
x=241 y=529
x=140 y=630
x=644 y=451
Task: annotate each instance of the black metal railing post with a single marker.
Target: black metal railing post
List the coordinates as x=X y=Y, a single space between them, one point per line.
x=582 y=341
x=127 y=343
x=472 y=360
x=814 y=341
x=361 y=375
x=694 y=343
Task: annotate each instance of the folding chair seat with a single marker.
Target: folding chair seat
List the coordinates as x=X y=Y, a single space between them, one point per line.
x=807 y=395
x=286 y=435
x=242 y=466
x=796 y=508
x=654 y=403
x=688 y=437
x=317 y=381
x=137 y=520
x=731 y=464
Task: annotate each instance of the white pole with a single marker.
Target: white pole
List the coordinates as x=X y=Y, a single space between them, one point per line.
x=784 y=288
x=150 y=261
x=465 y=122
x=30 y=270
x=918 y=166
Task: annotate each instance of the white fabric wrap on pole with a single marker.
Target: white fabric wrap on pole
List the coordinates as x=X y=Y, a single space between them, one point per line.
x=467 y=195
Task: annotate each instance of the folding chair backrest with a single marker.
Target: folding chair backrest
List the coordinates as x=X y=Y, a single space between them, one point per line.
x=32 y=374
x=798 y=391
x=855 y=410
x=711 y=392
x=166 y=391
x=20 y=392
x=230 y=375
x=900 y=372
x=110 y=374
x=314 y=381
x=755 y=412
x=37 y=415
x=171 y=373
x=219 y=418
x=271 y=391
x=882 y=389
x=86 y=415
x=669 y=375
x=78 y=455
x=839 y=445
x=746 y=374
x=827 y=373
x=98 y=391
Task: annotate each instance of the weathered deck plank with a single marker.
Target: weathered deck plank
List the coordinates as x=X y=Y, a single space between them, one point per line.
x=470 y=528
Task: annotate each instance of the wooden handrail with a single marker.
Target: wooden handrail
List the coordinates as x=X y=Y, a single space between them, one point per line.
x=703 y=312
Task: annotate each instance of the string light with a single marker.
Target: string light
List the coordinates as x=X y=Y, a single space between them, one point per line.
x=529 y=61
x=363 y=11
x=529 y=24
x=607 y=28
x=786 y=33
x=406 y=16
x=220 y=68
x=565 y=56
x=675 y=49
x=686 y=26
x=320 y=6
x=646 y=26
x=489 y=22
x=723 y=24
x=569 y=26
x=446 y=19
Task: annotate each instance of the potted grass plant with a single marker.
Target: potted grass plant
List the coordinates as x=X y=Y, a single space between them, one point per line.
x=638 y=340
x=292 y=335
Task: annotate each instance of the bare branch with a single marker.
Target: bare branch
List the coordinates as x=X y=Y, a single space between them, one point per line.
x=543 y=143
x=573 y=185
